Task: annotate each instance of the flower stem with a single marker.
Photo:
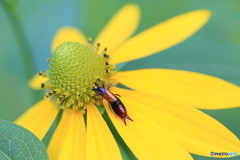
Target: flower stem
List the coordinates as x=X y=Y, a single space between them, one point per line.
x=26 y=54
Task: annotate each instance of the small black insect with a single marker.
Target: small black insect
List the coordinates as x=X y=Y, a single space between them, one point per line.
x=115 y=104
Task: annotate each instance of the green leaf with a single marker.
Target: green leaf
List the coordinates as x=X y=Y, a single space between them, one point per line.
x=17 y=142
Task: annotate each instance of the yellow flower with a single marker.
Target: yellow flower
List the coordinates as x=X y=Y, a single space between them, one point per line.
x=164 y=127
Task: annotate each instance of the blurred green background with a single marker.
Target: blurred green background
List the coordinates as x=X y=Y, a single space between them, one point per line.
x=214 y=50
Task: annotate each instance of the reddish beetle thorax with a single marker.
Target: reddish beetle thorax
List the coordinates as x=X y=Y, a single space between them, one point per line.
x=109 y=96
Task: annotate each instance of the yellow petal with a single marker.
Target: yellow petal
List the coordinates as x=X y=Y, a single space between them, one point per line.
x=100 y=141
x=68 y=34
x=197 y=90
x=39 y=118
x=120 y=27
x=198 y=133
x=147 y=139
x=69 y=139
x=35 y=82
x=161 y=37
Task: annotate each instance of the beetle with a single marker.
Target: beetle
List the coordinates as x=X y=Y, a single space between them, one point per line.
x=114 y=103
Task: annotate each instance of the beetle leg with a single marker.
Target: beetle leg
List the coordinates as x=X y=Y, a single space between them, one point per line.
x=108 y=87
x=110 y=106
x=100 y=100
x=117 y=95
x=103 y=85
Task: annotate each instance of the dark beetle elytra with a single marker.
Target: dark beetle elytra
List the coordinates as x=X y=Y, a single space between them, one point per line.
x=115 y=104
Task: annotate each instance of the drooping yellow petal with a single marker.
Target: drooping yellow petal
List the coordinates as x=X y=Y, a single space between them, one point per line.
x=69 y=139
x=161 y=36
x=35 y=82
x=147 y=139
x=68 y=34
x=100 y=142
x=120 y=27
x=196 y=89
x=39 y=118
x=198 y=133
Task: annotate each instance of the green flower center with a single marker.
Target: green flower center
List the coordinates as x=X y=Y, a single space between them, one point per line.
x=73 y=71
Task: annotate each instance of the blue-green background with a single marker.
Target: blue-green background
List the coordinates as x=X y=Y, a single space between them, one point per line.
x=214 y=50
